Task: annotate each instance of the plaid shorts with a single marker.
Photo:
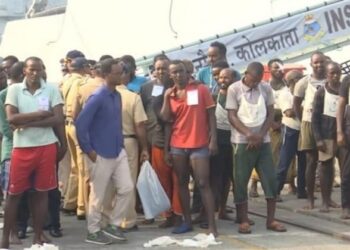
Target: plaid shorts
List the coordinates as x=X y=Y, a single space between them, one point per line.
x=5 y=175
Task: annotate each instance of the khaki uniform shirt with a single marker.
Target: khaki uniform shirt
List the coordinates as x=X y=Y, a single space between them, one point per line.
x=84 y=92
x=69 y=92
x=132 y=110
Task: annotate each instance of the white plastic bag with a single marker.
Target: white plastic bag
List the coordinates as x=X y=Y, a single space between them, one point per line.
x=153 y=197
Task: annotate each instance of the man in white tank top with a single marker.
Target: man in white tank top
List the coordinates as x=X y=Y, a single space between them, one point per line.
x=305 y=91
x=250 y=112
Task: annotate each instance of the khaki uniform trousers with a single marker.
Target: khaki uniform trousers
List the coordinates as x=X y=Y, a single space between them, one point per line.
x=78 y=184
x=132 y=151
x=63 y=173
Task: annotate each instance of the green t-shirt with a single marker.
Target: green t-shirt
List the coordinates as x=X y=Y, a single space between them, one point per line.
x=44 y=98
x=5 y=130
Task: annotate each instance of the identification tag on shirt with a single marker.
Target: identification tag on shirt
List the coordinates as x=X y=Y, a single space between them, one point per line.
x=43 y=103
x=192 y=97
x=157 y=90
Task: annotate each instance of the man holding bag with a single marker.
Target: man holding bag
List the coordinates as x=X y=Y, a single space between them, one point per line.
x=99 y=131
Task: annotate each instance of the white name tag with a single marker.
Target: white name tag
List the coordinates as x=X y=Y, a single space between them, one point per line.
x=43 y=103
x=192 y=97
x=157 y=90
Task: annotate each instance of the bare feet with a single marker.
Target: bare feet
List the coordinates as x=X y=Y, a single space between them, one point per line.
x=276 y=227
x=310 y=205
x=324 y=208
x=292 y=189
x=225 y=216
x=253 y=192
x=346 y=214
x=333 y=204
x=41 y=240
x=244 y=228
x=14 y=240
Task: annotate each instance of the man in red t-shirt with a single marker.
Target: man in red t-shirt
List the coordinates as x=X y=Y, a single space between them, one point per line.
x=191 y=109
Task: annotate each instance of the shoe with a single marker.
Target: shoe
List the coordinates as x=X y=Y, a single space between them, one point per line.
x=183 y=228
x=69 y=212
x=279 y=199
x=81 y=217
x=114 y=232
x=21 y=234
x=131 y=229
x=169 y=222
x=302 y=195
x=55 y=232
x=148 y=221
x=29 y=230
x=98 y=238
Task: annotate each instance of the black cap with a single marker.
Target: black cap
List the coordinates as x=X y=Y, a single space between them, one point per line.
x=79 y=63
x=74 y=54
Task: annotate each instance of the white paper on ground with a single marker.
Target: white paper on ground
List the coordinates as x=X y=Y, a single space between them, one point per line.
x=200 y=240
x=42 y=247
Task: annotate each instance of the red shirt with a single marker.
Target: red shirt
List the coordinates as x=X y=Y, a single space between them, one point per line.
x=191 y=124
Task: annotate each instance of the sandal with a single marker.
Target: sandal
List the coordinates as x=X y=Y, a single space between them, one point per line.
x=244 y=228
x=251 y=222
x=276 y=227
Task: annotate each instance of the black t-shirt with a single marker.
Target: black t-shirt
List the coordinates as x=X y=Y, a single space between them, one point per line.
x=344 y=88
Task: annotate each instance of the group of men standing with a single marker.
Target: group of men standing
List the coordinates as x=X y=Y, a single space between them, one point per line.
x=113 y=120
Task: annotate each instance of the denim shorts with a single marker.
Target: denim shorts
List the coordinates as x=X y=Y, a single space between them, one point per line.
x=193 y=153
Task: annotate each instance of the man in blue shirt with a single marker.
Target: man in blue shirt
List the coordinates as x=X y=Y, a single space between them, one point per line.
x=136 y=81
x=99 y=131
x=216 y=52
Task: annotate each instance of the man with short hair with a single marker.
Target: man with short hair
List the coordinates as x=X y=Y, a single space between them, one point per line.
x=134 y=133
x=99 y=131
x=291 y=131
x=15 y=75
x=216 y=52
x=343 y=141
x=70 y=202
x=324 y=128
x=250 y=112
x=152 y=95
x=34 y=108
x=135 y=81
x=78 y=78
x=305 y=91
x=190 y=108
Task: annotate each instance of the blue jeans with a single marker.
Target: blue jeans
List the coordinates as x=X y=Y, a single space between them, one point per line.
x=289 y=149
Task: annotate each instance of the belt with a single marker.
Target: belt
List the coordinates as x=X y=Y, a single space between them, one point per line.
x=130 y=136
x=69 y=122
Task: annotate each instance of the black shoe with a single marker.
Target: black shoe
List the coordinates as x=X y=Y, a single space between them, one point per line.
x=81 y=217
x=68 y=212
x=21 y=234
x=302 y=196
x=55 y=232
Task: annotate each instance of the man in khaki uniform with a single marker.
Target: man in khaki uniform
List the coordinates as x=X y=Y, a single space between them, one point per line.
x=77 y=193
x=67 y=171
x=134 y=131
x=84 y=91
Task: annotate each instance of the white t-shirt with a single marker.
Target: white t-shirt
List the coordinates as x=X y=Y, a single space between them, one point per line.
x=285 y=102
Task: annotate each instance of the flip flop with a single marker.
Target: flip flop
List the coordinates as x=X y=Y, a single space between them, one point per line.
x=244 y=228
x=276 y=227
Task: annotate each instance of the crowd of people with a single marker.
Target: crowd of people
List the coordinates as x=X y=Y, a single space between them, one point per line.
x=217 y=126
